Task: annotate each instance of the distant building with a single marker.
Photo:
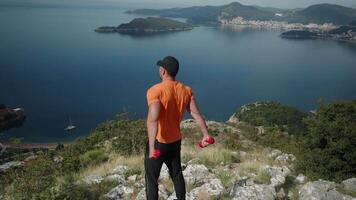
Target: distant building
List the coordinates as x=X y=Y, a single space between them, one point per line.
x=278 y=14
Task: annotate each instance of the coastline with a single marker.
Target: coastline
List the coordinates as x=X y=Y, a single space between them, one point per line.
x=34 y=145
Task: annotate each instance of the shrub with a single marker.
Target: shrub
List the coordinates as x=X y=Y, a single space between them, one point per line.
x=271 y=114
x=330 y=145
x=93 y=157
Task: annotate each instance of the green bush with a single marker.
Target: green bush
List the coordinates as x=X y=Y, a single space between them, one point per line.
x=272 y=114
x=31 y=181
x=93 y=157
x=330 y=145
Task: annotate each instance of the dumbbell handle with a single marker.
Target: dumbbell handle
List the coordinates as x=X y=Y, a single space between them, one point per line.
x=209 y=140
x=156 y=154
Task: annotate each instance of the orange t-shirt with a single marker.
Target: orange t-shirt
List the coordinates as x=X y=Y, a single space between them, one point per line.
x=174 y=97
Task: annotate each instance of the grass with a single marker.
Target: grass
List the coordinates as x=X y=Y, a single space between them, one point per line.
x=134 y=163
x=209 y=156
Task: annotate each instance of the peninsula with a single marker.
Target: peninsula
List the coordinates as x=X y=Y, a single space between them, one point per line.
x=147 y=25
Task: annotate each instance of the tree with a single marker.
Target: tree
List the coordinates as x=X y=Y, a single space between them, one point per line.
x=330 y=145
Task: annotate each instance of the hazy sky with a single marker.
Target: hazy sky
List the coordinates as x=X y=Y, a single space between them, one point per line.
x=183 y=3
x=269 y=3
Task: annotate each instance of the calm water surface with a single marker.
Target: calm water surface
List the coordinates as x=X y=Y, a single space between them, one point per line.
x=54 y=65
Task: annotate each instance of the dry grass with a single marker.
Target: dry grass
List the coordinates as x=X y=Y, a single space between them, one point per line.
x=134 y=163
x=209 y=156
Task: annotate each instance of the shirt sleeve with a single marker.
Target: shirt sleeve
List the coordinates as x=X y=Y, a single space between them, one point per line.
x=190 y=93
x=153 y=95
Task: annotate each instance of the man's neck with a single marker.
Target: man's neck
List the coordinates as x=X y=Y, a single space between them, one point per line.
x=168 y=78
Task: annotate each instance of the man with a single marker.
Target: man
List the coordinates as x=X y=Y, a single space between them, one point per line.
x=167 y=102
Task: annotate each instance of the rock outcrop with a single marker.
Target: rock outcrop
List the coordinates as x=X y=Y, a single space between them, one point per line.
x=321 y=190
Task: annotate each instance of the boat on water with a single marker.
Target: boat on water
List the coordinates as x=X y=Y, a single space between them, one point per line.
x=70 y=127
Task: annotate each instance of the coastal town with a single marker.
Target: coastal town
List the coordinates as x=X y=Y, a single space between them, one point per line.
x=325 y=31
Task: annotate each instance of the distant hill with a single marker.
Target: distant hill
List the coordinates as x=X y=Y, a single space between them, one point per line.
x=150 y=24
x=326 y=13
x=209 y=15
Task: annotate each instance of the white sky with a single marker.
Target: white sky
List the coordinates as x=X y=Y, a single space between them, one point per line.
x=268 y=3
x=184 y=3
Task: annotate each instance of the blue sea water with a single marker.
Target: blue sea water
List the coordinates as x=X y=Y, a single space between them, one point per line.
x=55 y=66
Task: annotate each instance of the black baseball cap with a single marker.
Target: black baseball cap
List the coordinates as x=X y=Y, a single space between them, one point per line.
x=169 y=63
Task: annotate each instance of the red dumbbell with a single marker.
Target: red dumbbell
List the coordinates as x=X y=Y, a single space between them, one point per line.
x=210 y=140
x=156 y=154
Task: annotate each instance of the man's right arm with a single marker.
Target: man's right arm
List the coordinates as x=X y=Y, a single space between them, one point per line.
x=193 y=110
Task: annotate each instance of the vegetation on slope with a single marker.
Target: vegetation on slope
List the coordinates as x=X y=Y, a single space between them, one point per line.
x=324 y=145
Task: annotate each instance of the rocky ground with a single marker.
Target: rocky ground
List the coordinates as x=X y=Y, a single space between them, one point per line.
x=218 y=173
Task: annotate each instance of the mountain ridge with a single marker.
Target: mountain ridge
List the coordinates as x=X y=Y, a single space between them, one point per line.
x=209 y=15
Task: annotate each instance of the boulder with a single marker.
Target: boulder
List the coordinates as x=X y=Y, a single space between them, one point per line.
x=349 y=184
x=211 y=190
x=132 y=178
x=233 y=119
x=93 y=179
x=300 y=179
x=115 y=177
x=120 y=169
x=197 y=174
x=120 y=192
x=248 y=190
x=321 y=190
x=285 y=158
x=4 y=167
x=278 y=174
x=274 y=153
x=164 y=175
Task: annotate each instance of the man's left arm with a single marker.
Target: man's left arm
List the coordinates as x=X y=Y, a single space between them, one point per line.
x=152 y=125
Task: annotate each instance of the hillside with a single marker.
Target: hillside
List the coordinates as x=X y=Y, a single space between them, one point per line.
x=210 y=15
x=326 y=13
x=254 y=158
x=147 y=25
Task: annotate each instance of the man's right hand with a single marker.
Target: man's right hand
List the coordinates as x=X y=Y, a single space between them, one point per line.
x=154 y=154
x=206 y=140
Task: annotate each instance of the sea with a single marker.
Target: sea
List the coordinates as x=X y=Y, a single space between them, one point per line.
x=58 y=69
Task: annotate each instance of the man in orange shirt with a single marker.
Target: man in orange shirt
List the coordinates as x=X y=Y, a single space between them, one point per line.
x=167 y=102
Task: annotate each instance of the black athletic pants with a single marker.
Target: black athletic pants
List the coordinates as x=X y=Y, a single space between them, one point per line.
x=170 y=155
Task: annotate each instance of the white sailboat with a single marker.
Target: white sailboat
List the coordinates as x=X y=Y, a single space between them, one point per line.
x=70 y=127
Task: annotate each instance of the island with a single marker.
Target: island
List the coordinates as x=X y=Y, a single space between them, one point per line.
x=147 y=25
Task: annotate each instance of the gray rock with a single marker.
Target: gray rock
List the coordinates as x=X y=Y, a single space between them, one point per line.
x=285 y=158
x=233 y=119
x=116 y=177
x=300 y=179
x=57 y=159
x=281 y=194
x=132 y=178
x=278 y=174
x=4 y=167
x=164 y=175
x=93 y=179
x=349 y=184
x=321 y=190
x=253 y=192
x=120 y=192
x=120 y=169
x=274 y=153
x=211 y=190
x=195 y=173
